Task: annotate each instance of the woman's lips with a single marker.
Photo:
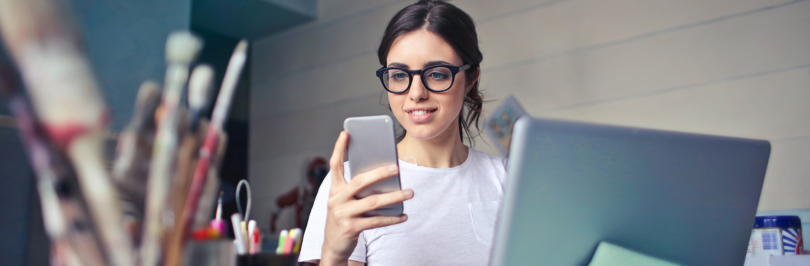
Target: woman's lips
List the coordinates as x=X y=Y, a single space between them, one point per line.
x=421 y=116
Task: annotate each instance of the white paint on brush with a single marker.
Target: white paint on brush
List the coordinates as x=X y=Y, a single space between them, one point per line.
x=198 y=86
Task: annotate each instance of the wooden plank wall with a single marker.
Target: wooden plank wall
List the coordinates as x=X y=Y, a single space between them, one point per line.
x=727 y=67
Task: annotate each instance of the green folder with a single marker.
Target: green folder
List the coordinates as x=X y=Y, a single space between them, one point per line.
x=608 y=254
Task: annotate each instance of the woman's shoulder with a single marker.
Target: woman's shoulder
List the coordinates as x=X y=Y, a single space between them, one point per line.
x=493 y=165
x=486 y=157
x=496 y=163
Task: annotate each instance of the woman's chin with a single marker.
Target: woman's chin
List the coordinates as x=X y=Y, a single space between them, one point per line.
x=423 y=132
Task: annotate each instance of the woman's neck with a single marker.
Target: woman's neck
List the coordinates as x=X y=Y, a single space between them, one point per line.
x=443 y=151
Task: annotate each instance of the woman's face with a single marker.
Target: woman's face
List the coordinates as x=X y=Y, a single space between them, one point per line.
x=425 y=114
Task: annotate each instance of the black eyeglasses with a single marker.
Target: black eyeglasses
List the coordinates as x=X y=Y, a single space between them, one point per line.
x=435 y=78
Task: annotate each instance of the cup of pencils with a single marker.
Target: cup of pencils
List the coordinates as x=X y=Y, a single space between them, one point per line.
x=284 y=254
x=248 y=244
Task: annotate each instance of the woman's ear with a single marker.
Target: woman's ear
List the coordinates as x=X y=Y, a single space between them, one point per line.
x=472 y=81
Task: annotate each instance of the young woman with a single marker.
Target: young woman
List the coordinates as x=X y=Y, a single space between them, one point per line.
x=451 y=192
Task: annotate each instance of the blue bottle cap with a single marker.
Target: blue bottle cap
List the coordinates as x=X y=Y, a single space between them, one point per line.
x=777 y=222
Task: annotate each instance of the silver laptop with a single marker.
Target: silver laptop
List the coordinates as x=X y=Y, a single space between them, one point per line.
x=686 y=198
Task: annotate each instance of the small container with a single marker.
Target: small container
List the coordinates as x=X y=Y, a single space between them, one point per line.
x=210 y=253
x=267 y=259
x=776 y=235
x=223 y=253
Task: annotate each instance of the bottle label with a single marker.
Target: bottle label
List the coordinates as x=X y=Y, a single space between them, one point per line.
x=765 y=242
x=775 y=241
x=792 y=241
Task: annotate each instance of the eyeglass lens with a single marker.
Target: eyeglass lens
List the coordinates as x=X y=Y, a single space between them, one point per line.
x=436 y=79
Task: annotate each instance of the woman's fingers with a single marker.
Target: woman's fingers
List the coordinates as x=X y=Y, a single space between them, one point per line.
x=336 y=162
x=366 y=179
x=344 y=210
x=379 y=221
x=373 y=202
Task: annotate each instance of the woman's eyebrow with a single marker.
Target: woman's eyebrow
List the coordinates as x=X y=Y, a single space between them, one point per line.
x=436 y=63
x=429 y=64
x=398 y=65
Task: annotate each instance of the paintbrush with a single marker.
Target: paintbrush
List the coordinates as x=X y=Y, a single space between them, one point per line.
x=202 y=217
x=46 y=47
x=203 y=214
x=212 y=136
x=199 y=85
x=185 y=167
x=131 y=166
x=181 y=49
x=60 y=213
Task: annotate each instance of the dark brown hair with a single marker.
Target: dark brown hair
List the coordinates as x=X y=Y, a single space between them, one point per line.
x=457 y=29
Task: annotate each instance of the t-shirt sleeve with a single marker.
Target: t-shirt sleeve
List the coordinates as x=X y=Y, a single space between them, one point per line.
x=314 y=233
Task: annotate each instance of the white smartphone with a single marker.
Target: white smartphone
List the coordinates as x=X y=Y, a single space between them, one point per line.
x=372 y=144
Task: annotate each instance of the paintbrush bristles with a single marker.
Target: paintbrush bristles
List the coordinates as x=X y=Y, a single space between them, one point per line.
x=148 y=90
x=46 y=47
x=198 y=86
x=125 y=167
x=182 y=47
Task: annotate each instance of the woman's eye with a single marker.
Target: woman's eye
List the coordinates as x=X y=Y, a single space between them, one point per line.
x=438 y=75
x=399 y=76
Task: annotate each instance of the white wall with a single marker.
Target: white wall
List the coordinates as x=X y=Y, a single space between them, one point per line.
x=726 y=67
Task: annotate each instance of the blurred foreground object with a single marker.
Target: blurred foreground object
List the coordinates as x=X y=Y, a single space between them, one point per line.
x=167 y=157
x=45 y=44
x=63 y=210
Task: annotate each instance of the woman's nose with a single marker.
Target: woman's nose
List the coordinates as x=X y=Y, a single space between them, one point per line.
x=418 y=92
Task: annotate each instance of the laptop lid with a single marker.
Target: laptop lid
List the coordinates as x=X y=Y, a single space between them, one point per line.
x=686 y=198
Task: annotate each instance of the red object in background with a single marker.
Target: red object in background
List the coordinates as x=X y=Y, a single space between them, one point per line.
x=207 y=233
x=302 y=196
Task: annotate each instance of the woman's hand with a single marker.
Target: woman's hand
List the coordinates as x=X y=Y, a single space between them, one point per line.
x=344 y=220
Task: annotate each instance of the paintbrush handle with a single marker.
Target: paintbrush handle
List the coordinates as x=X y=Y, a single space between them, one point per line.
x=45 y=167
x=229 y=82
x=198 y=180
x=183 y=226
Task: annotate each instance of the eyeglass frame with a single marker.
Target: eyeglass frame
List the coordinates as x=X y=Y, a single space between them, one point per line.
x=453 y=70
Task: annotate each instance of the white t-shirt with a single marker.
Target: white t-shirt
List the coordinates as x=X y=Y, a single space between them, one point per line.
x=451 y=218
